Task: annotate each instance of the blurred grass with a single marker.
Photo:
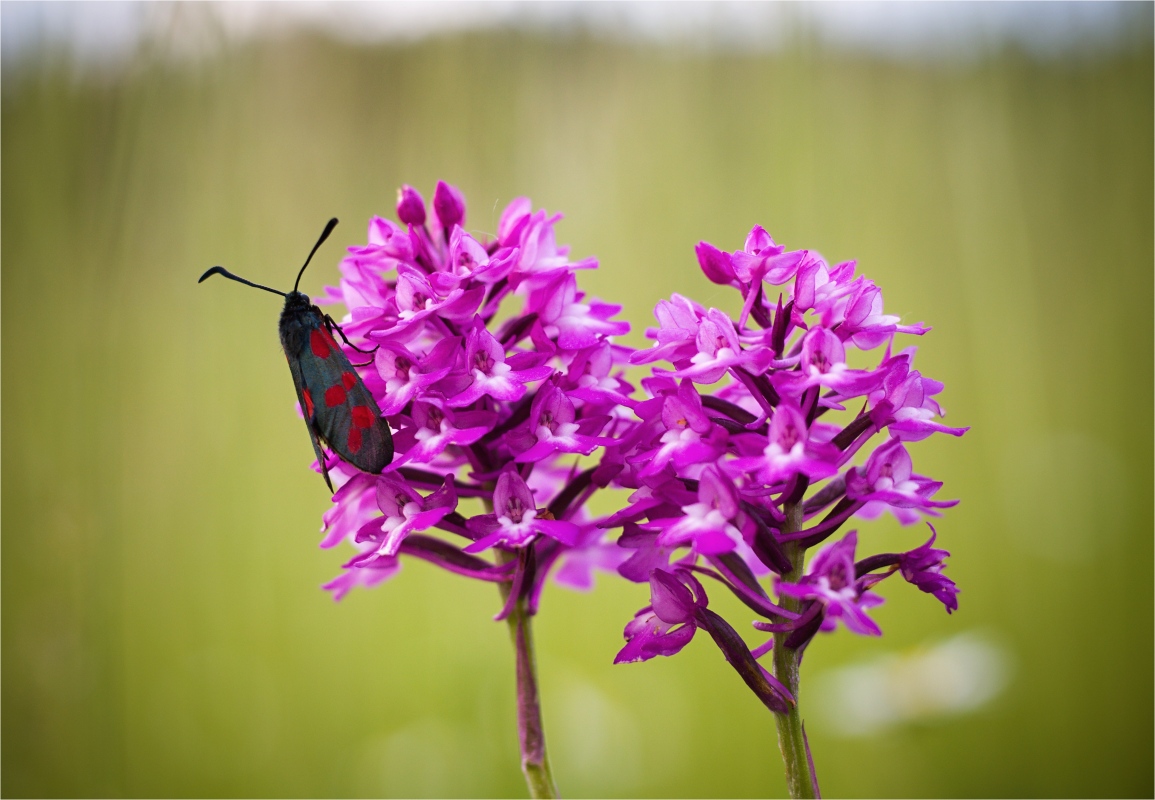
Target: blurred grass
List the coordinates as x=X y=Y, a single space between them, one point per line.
x=162 y=630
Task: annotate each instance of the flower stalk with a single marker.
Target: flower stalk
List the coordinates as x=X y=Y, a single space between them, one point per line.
x=530 y=731
x=800 y=778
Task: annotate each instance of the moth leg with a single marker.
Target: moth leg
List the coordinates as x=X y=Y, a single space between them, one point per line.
x=315 y=438
x=333 y=326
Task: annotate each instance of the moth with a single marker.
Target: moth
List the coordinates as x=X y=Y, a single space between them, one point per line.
x=339 y=411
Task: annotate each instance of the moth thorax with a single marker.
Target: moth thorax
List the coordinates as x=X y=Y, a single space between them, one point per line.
x=297 y=301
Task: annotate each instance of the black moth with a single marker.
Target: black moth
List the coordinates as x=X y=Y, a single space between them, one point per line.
x=339 y=410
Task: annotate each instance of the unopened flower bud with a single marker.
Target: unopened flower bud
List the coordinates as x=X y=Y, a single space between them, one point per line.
x=449 y=206
x=715 y=263
x=410 y=206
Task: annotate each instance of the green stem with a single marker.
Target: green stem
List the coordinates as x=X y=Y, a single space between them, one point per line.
x=530 y=731
x=800 y=780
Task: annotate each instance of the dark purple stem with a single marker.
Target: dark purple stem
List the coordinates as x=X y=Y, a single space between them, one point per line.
x=516 y=329
x=452 y=559
x=731 y=410
x=826 y=495
x=871 y=563
x=738 y=654
x=810 y=761
x=519 y=415
x=845 y=437
x=749 y=598
x=781 y=323
x=762 y=390
x=758 y=311
x=806 y=626
x=433 y=479
x=455 y=523
x=837 y=516
x=575 y=487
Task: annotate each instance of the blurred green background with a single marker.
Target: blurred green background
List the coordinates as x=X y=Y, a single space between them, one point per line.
x=163 y=633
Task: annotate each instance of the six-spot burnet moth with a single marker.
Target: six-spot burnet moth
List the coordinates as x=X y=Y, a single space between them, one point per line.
x=338 y=409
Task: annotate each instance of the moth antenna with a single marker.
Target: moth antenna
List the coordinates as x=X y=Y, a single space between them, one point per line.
x=324 y=235
x=231 y=276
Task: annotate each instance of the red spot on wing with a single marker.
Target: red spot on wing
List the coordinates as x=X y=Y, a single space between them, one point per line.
x=334 y=396
x=328 y=338
x=319 y=342
x=308 y=403
x=362 y=416
x=349 y=379
x=354 y=438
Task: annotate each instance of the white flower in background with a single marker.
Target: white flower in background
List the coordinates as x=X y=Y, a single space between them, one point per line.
x=951 y=678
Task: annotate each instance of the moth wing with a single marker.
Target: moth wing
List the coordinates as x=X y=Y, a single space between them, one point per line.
x=345 y=414
x=308 y=409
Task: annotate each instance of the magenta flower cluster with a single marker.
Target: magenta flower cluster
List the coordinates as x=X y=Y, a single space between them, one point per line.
x=497 y=376
x=737 y=483
x=751 y=441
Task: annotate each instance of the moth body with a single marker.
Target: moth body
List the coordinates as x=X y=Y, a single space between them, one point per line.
x=339 y=411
